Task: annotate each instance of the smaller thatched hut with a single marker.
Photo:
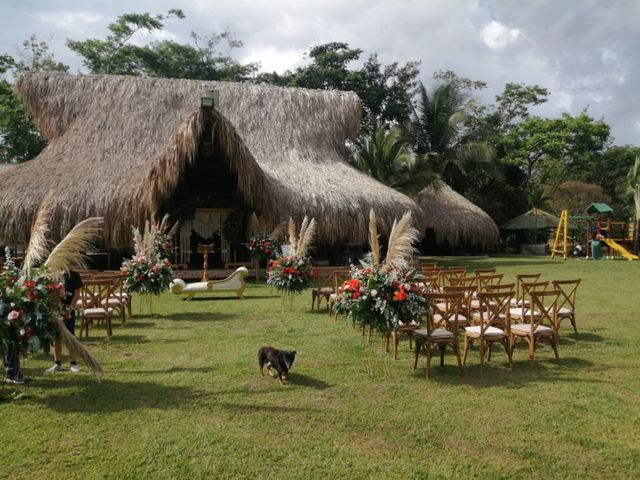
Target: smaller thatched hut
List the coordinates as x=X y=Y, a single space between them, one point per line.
x=452 y=219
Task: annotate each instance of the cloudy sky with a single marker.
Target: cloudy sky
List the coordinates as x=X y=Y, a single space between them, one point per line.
x=581 y=50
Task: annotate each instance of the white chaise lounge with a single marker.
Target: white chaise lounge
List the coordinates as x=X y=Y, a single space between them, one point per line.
x=233 y=283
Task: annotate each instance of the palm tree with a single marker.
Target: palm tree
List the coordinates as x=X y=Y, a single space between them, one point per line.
x=633 y=179
x=388 y=157
x=437 y=128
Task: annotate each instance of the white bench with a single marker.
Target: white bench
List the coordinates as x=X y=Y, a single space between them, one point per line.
x=233 y=283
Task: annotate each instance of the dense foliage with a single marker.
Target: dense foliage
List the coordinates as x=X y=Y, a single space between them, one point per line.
x=290 y=274
x=30 y=306
x=263 y=247
x=380 y=299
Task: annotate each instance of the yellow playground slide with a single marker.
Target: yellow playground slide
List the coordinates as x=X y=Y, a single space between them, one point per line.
x=620 y=249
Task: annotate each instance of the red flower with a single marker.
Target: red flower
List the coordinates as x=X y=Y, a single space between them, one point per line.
x=313 y=274
x=400 y=295
x=354 y=284
x=29 y=284
x=356 y=294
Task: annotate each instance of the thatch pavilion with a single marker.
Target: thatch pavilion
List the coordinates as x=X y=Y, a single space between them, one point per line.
x=123 y=147
x=451 y=219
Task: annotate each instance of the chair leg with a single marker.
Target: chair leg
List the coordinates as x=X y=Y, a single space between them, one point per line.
x=489 y=357
x=427 y=372
x=468 y=341
x=416 y=354
x=554 y=345
x=456 y=350
x=507 y=349
x=573 y=322
x=483 y=347
x=532 y=352
x=109 y=331
x=442 y=347
x=396 y=339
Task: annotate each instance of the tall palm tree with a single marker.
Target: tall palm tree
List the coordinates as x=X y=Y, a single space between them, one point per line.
x=437 y=127
x=633 y=180
x=388 y=157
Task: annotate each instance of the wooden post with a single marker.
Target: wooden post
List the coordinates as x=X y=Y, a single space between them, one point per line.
x=205 y=250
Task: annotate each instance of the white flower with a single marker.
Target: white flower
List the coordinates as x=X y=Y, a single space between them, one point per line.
x=374 y=292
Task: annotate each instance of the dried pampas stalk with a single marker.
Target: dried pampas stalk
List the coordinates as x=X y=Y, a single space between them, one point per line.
x=374 y=239
x=401 y=239
x=278 y=231
x=71 y=251
x=149 y=237
x=77 y=350
x=303 y=232
x=254 y=225
x=292 y=236
x=138 y=245
x=305 y=240
x=38 y=248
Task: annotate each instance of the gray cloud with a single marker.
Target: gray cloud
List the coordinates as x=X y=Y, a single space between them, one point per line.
x=582 y=51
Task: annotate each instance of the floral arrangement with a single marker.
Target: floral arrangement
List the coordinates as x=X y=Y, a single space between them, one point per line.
x=384 y=294
x=32 y=298
x=29 y=309
x=374 y=296
x=264 y=247
x=292 y=274
x=147 y=275
x=149 y=270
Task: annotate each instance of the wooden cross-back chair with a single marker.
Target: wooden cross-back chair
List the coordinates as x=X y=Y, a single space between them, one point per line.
x=464 y=281
x=489 y=279
x=567 y=302
x=447 y=275
x=93 y=297
x=520 y=279
x=118 y=300
x=469 y=294
x=493 y=325
x=541 y=324
x=429 y=283
x=324 y=287
x=443 y=310
x=522 y=312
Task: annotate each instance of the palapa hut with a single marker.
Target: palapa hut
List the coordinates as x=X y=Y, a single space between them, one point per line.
x=125 y=147
x=451 y=219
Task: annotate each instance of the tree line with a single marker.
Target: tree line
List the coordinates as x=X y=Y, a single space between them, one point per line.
x=500 y=155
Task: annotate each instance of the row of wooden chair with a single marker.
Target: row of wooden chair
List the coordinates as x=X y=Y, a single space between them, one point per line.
x=102 y=295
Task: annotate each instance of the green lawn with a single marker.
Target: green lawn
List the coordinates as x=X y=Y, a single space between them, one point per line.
x=183 y=397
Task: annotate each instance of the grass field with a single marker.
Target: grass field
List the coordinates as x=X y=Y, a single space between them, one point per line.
x=183 y=397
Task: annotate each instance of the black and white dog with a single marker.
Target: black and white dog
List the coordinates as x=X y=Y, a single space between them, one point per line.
x=278 y=360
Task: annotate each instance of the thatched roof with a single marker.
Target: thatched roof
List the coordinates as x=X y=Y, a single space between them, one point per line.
x=533 y=219
x=118 y=145
x=455 y=219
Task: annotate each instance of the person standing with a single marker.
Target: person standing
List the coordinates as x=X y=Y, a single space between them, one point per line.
x=72 y=286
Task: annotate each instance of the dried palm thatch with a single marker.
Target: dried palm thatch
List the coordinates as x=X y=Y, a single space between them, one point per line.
x=455 y=219
x=118 y=147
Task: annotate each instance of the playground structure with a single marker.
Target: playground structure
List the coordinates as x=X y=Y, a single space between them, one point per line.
x=618 y=236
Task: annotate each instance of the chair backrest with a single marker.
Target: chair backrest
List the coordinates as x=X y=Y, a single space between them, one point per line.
x=530 y=287
x=484 y=271
x=447 y=306
x=429 y=283
x=464 y=281
x=568 y=290
x=323 y=276
x=428 y=265
x=117 y=282
x=489 y=279
x=431 y=270
x=524 y=278
x=93 y=292
x=503 y=287
x=468 y=292
x=338 y=277
x=494 y=309
x=447 y=275
x=544 y=309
